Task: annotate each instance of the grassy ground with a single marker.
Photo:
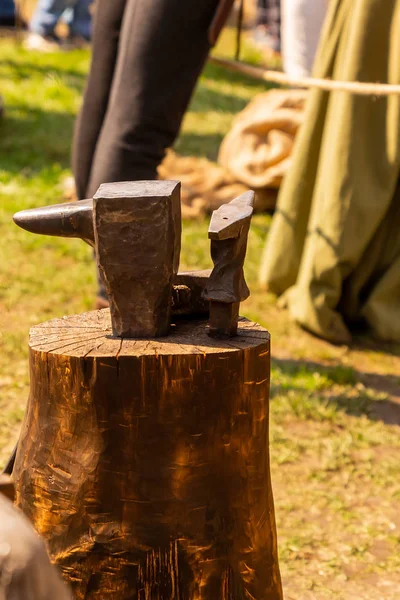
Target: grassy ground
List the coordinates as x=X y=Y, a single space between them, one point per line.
x=335 y=446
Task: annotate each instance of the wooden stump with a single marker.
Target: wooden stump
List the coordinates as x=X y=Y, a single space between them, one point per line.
x=7 y=487
x=144 y=463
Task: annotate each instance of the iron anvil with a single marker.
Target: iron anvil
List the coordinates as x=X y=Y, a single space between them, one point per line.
x=135 y=229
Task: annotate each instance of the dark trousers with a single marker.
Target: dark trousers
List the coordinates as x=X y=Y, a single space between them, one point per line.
x=7 y=13
x=147 y=57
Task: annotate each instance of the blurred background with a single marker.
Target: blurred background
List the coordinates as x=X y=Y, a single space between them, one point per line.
x=335 y=408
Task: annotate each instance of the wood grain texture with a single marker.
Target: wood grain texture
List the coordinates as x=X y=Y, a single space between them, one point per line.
x=145 y=463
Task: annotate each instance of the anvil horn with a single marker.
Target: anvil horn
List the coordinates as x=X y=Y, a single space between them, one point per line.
x=72 y=220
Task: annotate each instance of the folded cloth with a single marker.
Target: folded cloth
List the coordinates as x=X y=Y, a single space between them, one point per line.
x=257 y=150
x=206 y=185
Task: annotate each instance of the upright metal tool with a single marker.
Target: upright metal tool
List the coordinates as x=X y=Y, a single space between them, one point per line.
x=227 y=287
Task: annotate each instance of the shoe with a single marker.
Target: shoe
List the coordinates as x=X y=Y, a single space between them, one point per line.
x=41 y=43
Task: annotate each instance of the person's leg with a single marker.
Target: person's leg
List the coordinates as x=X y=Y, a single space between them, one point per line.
x=7 y=13
x=46 y=16
x=81 y=24
x=302 y=25
x=261 y=15
x=106 y=33
x=274 y=23
x=268 y=24
x=162 y=50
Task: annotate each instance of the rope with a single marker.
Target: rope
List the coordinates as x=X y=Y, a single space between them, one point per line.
x=329 y=85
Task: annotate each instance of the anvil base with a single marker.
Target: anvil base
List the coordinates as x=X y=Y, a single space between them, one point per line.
x=144 y=463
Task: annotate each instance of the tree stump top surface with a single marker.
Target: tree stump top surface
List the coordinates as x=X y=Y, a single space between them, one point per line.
x=89 y=335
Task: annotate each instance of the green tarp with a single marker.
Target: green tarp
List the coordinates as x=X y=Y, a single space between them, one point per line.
x=333 y=253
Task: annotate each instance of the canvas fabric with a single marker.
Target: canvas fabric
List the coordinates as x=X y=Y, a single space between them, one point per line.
x=333 y=253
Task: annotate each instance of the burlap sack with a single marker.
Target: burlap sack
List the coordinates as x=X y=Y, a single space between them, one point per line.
x=258 y=148
x=206 y=185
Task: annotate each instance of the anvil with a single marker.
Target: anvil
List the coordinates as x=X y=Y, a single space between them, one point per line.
x=135 y=229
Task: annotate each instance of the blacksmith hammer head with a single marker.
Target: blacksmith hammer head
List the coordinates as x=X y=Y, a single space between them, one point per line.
x=135 y=228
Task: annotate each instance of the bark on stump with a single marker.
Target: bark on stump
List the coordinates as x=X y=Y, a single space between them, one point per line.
x=144 y=463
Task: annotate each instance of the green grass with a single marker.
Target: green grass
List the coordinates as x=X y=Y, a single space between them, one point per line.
x=335 y=463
